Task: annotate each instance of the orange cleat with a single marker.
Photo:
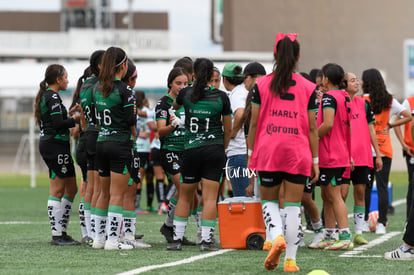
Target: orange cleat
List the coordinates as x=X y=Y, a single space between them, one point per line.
x=272 y=259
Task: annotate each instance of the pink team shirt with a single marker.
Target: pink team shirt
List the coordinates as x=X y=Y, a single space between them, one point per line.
x=335 y=146
x=282 y=137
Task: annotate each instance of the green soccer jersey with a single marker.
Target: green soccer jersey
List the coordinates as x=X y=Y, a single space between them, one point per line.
x=203 y=124
x=114 y=113
x=174 y=141
x=85 y=95
x=51 y=106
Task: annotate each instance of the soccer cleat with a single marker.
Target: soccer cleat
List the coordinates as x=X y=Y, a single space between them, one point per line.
x=175 y=245
x=341 y=245
x=168 y=232
x=67 y=238
x=267 y=245
x=151 y=209
x=98 y=244
x=58 y=240
x=380 y=229
x=365 y=228
x=208 y=246
x=117 y=246
x=87 y=241
x=138 y=243
x=322 y=244
x=399 y=255
x=290 y=265
x=272 y=259
x=164 y=208
x=359 y=239
x=187 y=242
x=317 y=237
x=139 y=236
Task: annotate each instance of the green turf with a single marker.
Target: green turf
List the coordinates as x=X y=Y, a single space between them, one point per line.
x=24 y=248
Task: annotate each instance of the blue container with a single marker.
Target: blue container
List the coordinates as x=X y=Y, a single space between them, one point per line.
x=374 y=196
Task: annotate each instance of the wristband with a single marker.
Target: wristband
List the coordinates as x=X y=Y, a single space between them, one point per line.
x=315 y=160
x=249 y=152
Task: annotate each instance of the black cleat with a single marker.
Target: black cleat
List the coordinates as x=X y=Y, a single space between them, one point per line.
x=175 y=245
x=67 y=238
x=168 y=233
x=60 y=241
x=208 y=246
x=188 y=242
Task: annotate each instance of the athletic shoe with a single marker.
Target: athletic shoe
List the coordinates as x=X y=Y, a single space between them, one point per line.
x=168 y=232
x=164 y=208
x=98 y=244
x=290 y=265
x=138 y=243
x=267 y=245
x=87 y=241
x=208 y=246
x=359 y=239
x=272 y=259
x=341 y=245
x=199 y=239
x=58 y=240
x=322 y=244
x=140 y=211
x=175 y=245
x=151 y=209
x=188 y=242
x=67 y=238
x=380 y=229
x=317 y=237
x=365 y=228
x=117 y=246
x=139 y=236
x=399 y=255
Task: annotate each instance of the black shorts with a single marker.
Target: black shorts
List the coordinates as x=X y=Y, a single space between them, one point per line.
x=171 y=161
x=144 y=159
x=333 y=175
x=113 y=156
x=57 y=156
x=81 y=159
x=134 y=167
x=275 y=178
x=360 y=175
x=309 y=187
x=155 y=159
x=204 y=162
x=90 y=142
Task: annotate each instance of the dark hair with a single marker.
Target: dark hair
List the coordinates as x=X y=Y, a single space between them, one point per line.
x=52 y=73
x=286 y=56
x=174 y=73
x=203 y=69
x=235 y=80
x=374 y=85
x=313 y=74
x=335 y=74
x=140 y=97
x=76 y=95
x=95 y=60
x=305 y=75
x=112 y=60
x=186 y=63
x=247 y=114
x=131 y=70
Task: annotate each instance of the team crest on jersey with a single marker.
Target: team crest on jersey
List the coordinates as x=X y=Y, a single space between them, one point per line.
x=64 y=169
x=55 y=96
x=163 y=113
x=176 y=166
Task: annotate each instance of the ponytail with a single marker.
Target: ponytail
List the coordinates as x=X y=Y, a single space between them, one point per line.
x=76 y=95
x=203 y=69
x=286 y=56
x=112 y=60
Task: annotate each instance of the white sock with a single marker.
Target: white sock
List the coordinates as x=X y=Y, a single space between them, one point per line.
x=180 y=225
x=293 y=234
x=171 y=210
x=317 y=226
x=54 y=211
x=93 y=225
x=101 y=218
x=272 y=219
x=282 y=213
x=66 y=205
x=84 y=231
x=359 y=215
x=207 y=230
x=130 y=220
x=113 y=225
x=329 y=233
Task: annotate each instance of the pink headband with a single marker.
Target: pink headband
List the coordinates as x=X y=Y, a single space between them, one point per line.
x=134 y=74
x=280 y=36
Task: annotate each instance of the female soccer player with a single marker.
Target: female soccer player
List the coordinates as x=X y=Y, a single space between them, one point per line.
x=206 y=137
x=283 y=138
x=51 y=116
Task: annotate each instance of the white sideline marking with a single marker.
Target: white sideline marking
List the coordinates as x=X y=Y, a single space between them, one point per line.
x=362 y=248
x=184 y=261
x=21 y=222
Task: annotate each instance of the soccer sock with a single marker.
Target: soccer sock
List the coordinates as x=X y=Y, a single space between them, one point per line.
x=171 y=211
x=114 y=222
x=180 y=225
x=207 y=230
x=199 y=212
x=317 y=226
x=171 y=191
x=329 y=233
x=87 y=209
x=359 y=214
x=137 y=198
x=160 y=190
x=84 y=232
x=66 y=211
x=130 y=220
x=282 y=214
x=54 y=211
x=344 y=234
x=93 y=223
x=293 y=223
x=101 y=217
x=272 y=219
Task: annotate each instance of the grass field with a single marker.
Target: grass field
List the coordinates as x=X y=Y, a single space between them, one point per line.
x=25 y=248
